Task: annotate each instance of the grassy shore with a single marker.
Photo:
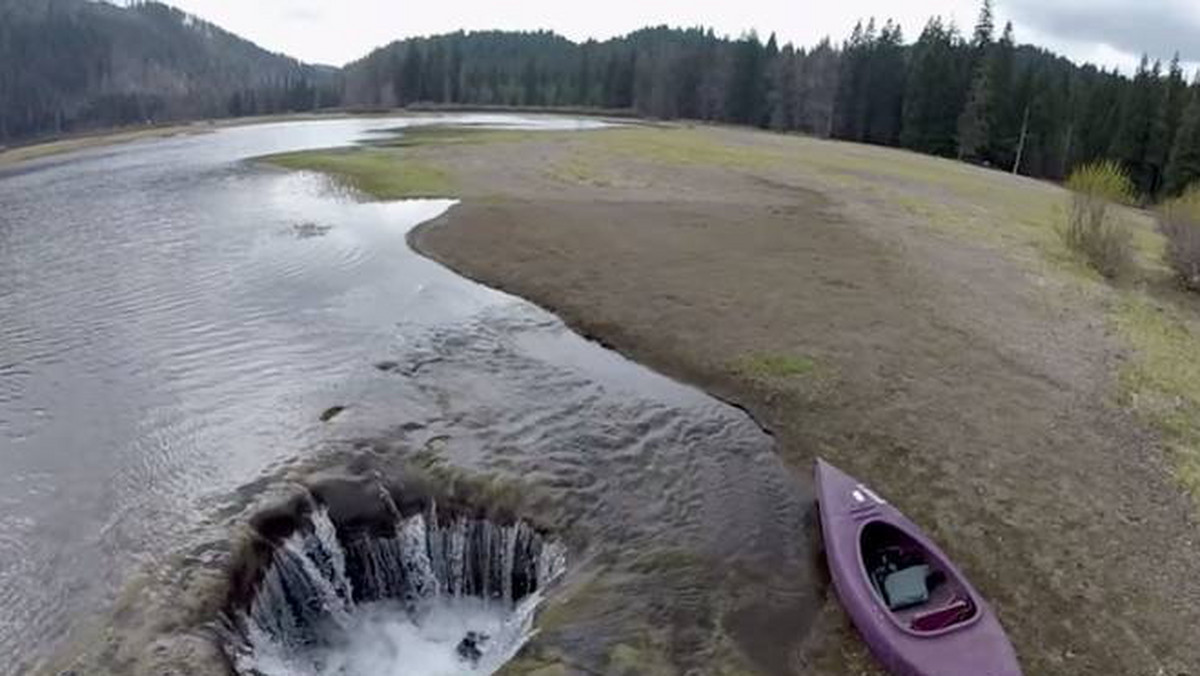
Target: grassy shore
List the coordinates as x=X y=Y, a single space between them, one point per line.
x=915 y=320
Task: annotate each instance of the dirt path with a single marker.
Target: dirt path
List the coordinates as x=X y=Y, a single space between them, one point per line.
x=952 y=375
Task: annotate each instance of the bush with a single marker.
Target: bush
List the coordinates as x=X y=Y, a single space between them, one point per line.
x=1179 y=222
x=1093 y=230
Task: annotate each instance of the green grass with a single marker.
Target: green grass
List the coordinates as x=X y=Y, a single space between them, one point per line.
x=1162 y=380
x=383 y=174
x=579 y=169
x=679 y=146
x=774 y=365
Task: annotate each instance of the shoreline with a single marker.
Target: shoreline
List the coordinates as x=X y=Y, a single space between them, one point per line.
x=39 y=148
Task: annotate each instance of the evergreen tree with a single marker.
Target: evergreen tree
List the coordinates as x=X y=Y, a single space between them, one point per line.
x=1004 y=121
x=817 y=90
x=985 y=28
x=782 y=80
x=1132 y=143
x=408 y=88
x=884 y=95
x=1184 y=167
x=747 y=96
x=1166 y=123
x=974 y=122
x=851 y=110
x=930 y=100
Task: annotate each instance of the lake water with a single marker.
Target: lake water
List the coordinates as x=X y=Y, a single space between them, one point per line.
x=174 y=320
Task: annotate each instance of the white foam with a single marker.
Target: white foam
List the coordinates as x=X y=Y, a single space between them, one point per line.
x=383 y=639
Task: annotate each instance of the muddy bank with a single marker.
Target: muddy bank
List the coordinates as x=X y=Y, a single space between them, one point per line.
x=979 y=397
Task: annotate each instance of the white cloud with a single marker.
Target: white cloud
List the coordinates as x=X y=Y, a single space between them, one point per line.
x=1106 y=32
x=337 y=32
x=1113 y=32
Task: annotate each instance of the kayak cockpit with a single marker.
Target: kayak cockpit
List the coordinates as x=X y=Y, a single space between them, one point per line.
x=922 y=594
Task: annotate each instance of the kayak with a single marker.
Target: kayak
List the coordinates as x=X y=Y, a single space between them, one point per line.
x=914 y=608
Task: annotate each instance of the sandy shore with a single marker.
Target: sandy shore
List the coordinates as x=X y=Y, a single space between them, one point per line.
x=866 y=306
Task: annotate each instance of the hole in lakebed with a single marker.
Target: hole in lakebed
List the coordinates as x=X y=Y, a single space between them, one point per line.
x=349 y=579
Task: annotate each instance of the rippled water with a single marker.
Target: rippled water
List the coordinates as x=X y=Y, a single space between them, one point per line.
x=173 y=321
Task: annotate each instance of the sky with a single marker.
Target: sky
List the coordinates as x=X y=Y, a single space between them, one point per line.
x=1105 y=32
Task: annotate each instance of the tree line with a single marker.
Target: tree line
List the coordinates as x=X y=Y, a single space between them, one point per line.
x=73 y=65
x=979 y=97
x=67 y=65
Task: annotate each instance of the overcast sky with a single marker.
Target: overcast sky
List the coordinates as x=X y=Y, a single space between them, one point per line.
x=1105 y=32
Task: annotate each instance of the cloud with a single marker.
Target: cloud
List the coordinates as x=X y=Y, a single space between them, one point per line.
x=1155 y=27
x=301 y=15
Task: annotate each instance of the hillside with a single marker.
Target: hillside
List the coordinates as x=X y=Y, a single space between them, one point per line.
x=73 y=65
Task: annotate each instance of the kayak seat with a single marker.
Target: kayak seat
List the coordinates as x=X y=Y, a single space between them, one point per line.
x=960 y=610
x=907 y=587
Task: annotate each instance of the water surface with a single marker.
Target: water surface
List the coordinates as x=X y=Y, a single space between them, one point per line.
x=174 y=320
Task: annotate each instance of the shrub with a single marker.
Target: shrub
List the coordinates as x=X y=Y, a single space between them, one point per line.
x=1179 y=222
x=1093 y=230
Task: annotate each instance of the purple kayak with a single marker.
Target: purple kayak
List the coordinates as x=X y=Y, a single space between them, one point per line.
x=916 y=611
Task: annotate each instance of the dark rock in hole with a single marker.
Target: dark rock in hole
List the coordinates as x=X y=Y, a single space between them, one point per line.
x=470 y=649
x=331 y=413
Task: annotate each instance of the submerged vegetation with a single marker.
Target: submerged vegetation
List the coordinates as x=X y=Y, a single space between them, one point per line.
x=379 y=173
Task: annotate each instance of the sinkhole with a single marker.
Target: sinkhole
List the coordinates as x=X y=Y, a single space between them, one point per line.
x=350 y=580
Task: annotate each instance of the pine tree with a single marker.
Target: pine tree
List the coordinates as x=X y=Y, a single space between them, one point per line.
x=409 y=85
x=781 y=89
x=1132 y=142
x=985 y=27
x=930 y=100
x=975 y=120
x=973 y=124
x=852 y=112
x=1166 y=123
x=817 y=90
x=1004 y=121
x=747 y=95
x=1184 y=167
x=884 y=90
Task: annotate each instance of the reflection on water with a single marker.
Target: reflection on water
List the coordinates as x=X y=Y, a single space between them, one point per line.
x=173 y=322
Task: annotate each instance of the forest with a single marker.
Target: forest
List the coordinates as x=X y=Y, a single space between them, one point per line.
x=75 y=65
x=977 y=96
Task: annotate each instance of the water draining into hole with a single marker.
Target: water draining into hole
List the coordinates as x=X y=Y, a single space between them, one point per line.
x=433 y=594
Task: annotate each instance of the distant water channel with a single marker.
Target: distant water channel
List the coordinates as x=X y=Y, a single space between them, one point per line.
x=174 y=320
